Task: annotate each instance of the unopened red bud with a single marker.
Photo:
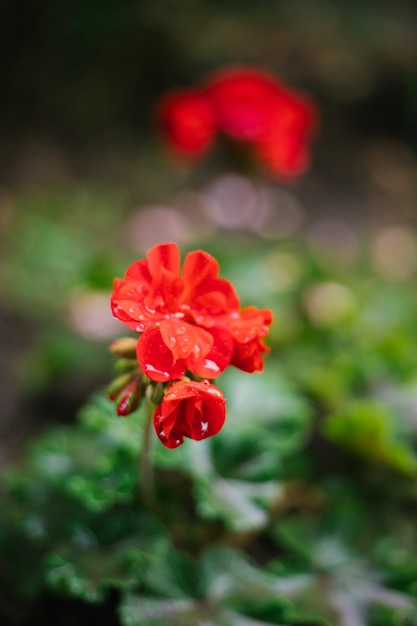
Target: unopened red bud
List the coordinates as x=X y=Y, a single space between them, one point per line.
x=128 y=400
x=124 y=346
x=118 y=384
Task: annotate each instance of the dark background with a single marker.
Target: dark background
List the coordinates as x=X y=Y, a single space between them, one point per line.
x=84 y=75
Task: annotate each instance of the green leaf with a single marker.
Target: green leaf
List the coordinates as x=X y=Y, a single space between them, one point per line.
x=241 y=505
x=136 y=610
x=368 y=429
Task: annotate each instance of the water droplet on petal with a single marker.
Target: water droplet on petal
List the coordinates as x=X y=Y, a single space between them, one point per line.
x=150 y=369
x=212 y=367
x=213 y=391
x=204 y=427
x=181 y=330
x=140 y=328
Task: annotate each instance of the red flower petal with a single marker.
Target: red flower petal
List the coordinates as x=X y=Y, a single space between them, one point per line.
x=198 y=267
x=187 y=121
x=138 y=272
x=156 y=359
x=132 y=305
x=219 y=357
x=248 y=356
x=285 y=158
x=184 y=339
x=250 y=323
x=163 y=256
x=242 y=99
x=285 y=144
x=248 y=328
x=189 y=409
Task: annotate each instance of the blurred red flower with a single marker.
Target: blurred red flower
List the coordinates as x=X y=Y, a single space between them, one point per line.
x=243 y=99
x=249 y=105
x=186 y=119
x=285 y=145
x=189 y=320
x=189 y=409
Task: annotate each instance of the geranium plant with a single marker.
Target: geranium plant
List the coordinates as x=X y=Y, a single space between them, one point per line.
x=190 y=327
x=251 y=107
x=299 y=512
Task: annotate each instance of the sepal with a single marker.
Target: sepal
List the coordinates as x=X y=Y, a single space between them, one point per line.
x=124 y=347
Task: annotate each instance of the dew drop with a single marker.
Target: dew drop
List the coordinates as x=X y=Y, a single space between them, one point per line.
x=211 y=366
x=204 y=427
x=181 y=330
x=213 y=391
x=155 y=370
x=140 y=328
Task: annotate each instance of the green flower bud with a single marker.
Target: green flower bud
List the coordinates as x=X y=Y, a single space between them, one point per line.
x=119 y=383
x=124 y=346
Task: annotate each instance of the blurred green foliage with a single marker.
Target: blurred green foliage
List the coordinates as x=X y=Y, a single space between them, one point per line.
x=300 y=512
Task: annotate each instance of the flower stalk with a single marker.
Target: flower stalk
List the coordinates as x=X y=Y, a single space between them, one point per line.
x=146 y=472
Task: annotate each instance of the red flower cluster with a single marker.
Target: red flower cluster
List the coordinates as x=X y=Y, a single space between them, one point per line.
x=189 y=409
x=248 y=105
x=189 y=321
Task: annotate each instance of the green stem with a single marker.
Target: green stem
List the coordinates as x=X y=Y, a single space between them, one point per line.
x=146 y=483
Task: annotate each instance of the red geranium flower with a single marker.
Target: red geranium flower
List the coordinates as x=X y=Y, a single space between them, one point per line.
x=249 y=105
x=187 y=120
x=177 y=314
x=243 y=99
x=255 y=107
x=284 y=147
x=189 y=409
x=189 y=320
x=248 y=331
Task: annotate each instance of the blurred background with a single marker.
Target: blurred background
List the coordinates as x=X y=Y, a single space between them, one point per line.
x=86 y=186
